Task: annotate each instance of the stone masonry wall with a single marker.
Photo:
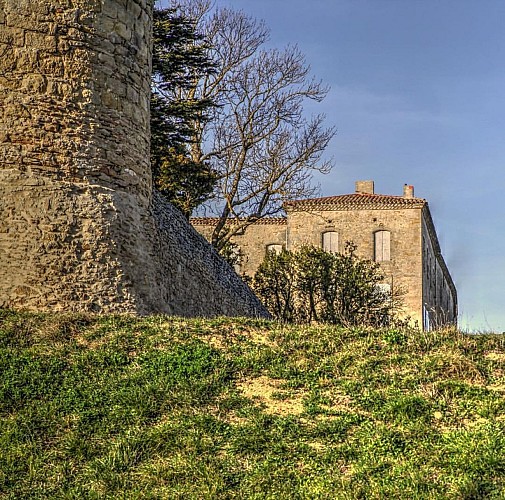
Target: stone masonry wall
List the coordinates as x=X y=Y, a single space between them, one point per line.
x=439 y=294
x=416 y=264
x=404 y=270
x=79 y=228
x=200 y=283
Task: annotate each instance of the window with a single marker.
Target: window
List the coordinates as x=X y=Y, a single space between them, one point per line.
x=426 y=318
x=274 y=247
x=382 y=244
x=330 y=241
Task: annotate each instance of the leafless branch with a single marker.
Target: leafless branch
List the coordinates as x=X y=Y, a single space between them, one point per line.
x=259 y=140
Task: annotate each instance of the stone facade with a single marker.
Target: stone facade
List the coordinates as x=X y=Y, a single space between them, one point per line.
x=396 y=230
x=80 y=228
x=252 y=242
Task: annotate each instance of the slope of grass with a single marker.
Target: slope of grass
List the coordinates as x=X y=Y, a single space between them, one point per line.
x=121 y=407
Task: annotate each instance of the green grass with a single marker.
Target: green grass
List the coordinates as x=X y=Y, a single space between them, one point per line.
x=121 y=407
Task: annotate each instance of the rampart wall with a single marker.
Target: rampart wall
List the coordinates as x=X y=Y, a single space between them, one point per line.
x=79 y=226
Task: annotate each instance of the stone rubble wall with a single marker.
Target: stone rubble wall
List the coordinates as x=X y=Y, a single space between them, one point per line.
x=77 y=215
x=200 y=281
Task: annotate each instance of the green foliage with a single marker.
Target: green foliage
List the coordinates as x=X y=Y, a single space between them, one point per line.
x=274 y=283
x=123 y=407
x=179 y=58
x=311 y=284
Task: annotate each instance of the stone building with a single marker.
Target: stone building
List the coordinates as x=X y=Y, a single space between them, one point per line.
x=396 y=231
x=80 y=226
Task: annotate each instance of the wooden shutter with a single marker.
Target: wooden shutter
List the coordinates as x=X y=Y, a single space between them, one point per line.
x=382 y=246
x=330 y=241
x=386 y=245
x=378 y=246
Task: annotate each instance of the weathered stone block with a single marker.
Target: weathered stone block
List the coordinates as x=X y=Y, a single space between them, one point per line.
x=12 y=36
x=123 y=30
x=41 y=41
x=110 y=9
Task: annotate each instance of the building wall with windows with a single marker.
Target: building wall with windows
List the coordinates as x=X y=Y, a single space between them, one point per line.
x=439 y=293
x=396 y=231
x=402 y=269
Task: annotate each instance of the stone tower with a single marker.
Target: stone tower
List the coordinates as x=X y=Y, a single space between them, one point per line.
x=80 y=228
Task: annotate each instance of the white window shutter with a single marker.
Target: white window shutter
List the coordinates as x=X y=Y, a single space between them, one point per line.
x=378 y=246
x=382 y=246
x=386 y=245
x=330 y=241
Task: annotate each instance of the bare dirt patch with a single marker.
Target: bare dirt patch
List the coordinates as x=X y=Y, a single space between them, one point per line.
x=269 y=394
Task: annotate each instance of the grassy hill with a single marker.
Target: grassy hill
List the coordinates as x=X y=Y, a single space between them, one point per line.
x=121 y=407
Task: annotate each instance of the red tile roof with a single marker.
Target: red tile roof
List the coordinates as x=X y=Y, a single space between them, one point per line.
x=353 y=201
x=212 y=221
x=356 y=201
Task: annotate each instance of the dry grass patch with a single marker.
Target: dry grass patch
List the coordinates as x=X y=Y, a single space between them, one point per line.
x=338 y=401
x=224 y=338
x=268 y=393
x=468 y=423
x=496 y=387
x=317 y=446
x=495 y=356
x=429 y=390
x=448 y=364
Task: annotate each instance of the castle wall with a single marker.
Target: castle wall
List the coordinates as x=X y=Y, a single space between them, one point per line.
x=79 y=228
x=74 y=141
x=196 y=281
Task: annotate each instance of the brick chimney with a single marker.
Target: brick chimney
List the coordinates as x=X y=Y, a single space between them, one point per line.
x=364 y=187
x=408 y=191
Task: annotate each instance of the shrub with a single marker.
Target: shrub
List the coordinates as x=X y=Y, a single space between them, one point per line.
x=274 y=283
x=311 y=284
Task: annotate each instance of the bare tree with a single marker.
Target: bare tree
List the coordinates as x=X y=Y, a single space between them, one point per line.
x=259 y=141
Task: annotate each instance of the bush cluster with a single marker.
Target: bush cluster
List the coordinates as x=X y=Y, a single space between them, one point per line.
x=310 y=284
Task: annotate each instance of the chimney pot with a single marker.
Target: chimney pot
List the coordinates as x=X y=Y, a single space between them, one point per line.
x=408 y=191
x=364 y=187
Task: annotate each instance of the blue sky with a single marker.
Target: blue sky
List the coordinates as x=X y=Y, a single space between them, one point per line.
x=418 y=97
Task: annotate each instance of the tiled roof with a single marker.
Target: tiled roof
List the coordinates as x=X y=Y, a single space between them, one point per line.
x=343 y=202
x=356 y=201
x=212 y=221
